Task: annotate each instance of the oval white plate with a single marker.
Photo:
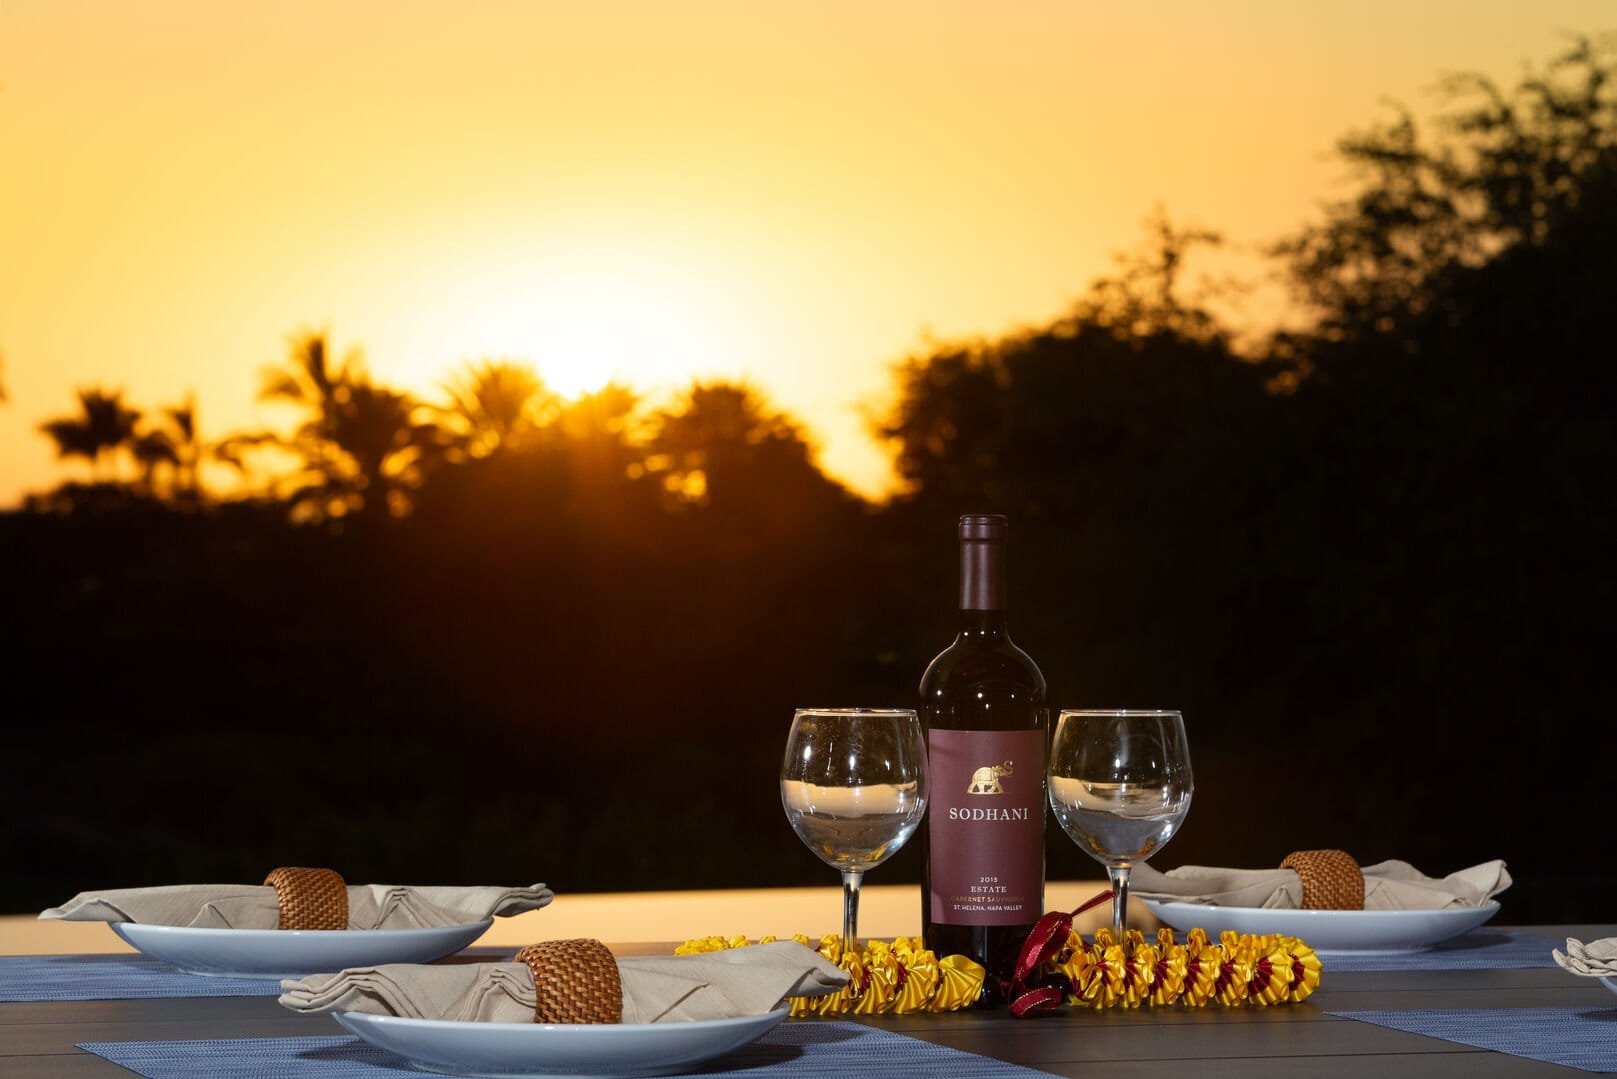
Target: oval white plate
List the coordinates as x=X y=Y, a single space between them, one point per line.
x=1609 y=983
x=1331 y=930
x=557 y=1049
x=292 y=953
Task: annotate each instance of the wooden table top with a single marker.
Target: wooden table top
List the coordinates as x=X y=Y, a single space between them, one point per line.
x=37 y=1039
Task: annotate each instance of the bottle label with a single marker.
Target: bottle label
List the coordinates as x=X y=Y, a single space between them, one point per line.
x=986 y=826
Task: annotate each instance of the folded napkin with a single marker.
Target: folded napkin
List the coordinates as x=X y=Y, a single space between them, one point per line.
x=1597 y=959
x=1391 y=885
x=656 y=989
x=242 y=906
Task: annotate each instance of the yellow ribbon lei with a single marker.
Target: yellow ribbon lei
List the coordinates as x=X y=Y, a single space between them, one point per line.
x=901 y=977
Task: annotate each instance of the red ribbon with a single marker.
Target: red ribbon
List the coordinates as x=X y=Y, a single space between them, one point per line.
x=1043 y=944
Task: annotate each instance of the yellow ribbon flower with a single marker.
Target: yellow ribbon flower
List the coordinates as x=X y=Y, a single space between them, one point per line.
x=1169 y=980
x=919 y=974
x=844 y=999
x=1202 y=962
x=1271 y=970
x=830 y=947
x=701 y=945
x=1235 y=972
x=960 y=983
x=1305 y=968
x=1097 y=973
x=1139 y=971
x=881 y=971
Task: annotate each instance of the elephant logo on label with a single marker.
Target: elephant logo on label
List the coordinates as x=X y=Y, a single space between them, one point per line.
x=985 y=780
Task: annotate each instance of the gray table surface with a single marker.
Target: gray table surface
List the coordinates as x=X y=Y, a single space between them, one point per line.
x=37 y=1039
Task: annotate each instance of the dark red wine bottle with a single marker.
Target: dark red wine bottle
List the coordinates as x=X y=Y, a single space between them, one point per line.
x=987 y=729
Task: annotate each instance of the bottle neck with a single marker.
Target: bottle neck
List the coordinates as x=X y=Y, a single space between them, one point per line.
x=982 y=625
x=982 y=587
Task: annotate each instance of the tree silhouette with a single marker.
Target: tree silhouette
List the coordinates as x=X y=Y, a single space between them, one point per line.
x=548 y=467
x=498 y=404
x=173 y=445
x=361 y=446
x=103 y=426
x=1135 y=376
x=712 y=439
x=152 y=450
x=1147 y=296
x=309 y=378
x=189 y=447
x=375 y=428
x=744 y=470
x=1510 y=169
x=599 y=435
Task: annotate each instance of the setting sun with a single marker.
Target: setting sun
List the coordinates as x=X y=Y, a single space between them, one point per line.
x=609 y=309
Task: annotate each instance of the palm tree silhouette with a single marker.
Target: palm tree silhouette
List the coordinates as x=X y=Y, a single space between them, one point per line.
x=311 y=382
x=152 y=450
x=596 y=434
x=104 y=424
x=374 y=427
x=361 y=445
x=188 y=447
x=173 y=445
x=606 y=415
x=500 y=404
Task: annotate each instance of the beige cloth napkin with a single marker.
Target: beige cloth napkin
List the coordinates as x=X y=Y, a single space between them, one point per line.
x=656 y=989
x=243 y=906
x=1597 y=959
x=1390 y=885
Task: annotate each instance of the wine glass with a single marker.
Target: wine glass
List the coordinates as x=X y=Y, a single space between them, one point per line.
x=1120 y=784
x=853 y=784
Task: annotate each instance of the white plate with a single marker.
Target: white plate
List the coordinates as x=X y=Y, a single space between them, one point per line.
x=1360 y=931
x=292 y=953
x=1609 y=983
x=558 y=1049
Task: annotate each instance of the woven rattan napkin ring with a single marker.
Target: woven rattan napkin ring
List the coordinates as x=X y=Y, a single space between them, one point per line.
x=310 y=898
x=1331 y=879
x=577 y=981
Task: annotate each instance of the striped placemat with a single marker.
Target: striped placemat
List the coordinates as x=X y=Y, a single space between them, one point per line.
x=1583 y=1038
x=114 y=977
x=1481 y=949
x=802 y=1050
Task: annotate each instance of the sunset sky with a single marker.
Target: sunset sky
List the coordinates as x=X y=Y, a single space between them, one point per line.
x=793 y=193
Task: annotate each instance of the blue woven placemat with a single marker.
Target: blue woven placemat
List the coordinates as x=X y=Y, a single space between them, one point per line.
x=1482 y=949
x=1584 y=1038
x=114 y=977
x=804 y=1050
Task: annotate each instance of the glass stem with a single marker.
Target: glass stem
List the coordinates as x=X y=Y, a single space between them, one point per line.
x=850 y=908
x=1119 y=875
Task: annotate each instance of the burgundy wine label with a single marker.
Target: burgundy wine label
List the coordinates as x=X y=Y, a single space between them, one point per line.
x=986 y=826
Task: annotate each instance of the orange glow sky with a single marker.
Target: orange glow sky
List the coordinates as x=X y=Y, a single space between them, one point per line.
x=790 y=192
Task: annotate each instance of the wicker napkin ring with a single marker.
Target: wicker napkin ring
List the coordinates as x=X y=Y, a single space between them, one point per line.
x=310 y=898
x=577 y=982
x=1331 y=879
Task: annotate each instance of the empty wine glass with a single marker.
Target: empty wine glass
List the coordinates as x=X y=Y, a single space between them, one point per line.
x=853 y=784
x=1120 y=784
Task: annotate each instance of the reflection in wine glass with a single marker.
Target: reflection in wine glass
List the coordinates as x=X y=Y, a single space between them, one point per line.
x=853 y=784
x=1120 y=783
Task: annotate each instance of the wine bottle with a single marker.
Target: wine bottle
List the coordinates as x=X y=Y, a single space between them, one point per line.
x=983 y=707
